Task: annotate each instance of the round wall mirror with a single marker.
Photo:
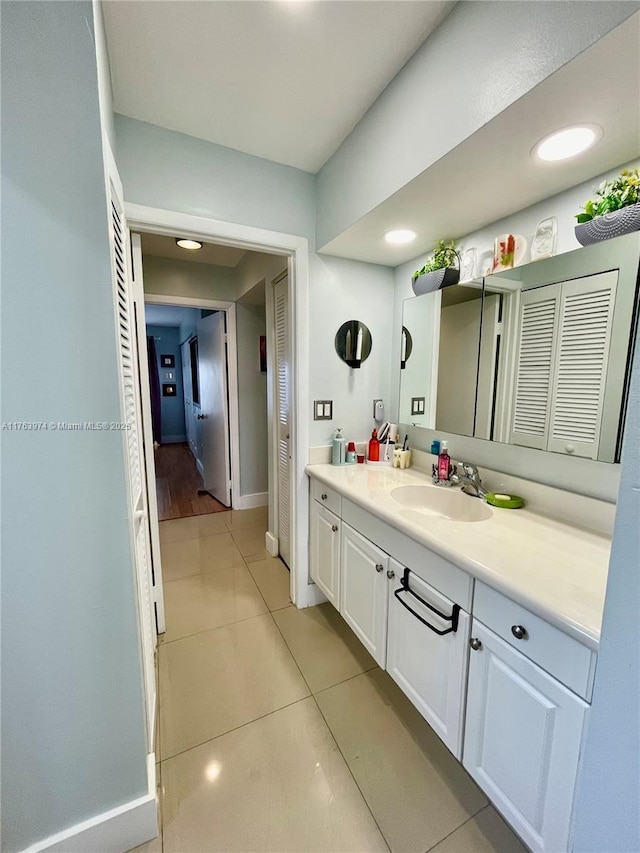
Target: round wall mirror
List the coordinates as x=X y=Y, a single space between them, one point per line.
x=353 y=342
x=407 y=346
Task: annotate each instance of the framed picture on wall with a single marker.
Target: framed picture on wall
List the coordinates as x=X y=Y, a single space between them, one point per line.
x=263 y=353
x=168 y=360
x=169 y=389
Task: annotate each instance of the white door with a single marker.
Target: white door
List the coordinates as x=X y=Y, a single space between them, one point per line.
x=431 y=668
x=214 y=406
x=522 y=741
x=363 y=591
x=155 y=557
x=283 y=414
x=128 y=370
x=324 y=552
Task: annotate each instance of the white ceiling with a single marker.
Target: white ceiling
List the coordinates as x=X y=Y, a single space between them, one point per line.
x=492 y=174
x=165 y=247
x=286 y=80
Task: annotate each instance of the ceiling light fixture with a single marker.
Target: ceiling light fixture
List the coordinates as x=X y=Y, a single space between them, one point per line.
x=400 y=236
x=184 y=243
x=568 y=142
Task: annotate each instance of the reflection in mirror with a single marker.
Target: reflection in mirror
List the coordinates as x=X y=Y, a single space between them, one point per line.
x=406 y=347
x=353 y=342
x=559 y=353
x=550 y=369
x=438 y=385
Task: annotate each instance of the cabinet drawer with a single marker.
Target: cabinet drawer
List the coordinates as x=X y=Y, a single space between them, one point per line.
x=326 y=496
x=560 y=655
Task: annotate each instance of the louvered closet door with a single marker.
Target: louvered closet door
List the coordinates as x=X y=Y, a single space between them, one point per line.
x=130 y=403
x=534 y=366
x=283 y=405
x=584 y=339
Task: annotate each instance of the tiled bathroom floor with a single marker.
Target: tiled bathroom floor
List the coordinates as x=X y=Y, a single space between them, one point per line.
x=278 y=732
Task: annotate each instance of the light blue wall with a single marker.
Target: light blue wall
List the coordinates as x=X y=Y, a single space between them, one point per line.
x=170 y=277
x=169 y=170
x=167 y=339
x=608 y=799
x=210 y=180
x=73 y=742
x=483 y=57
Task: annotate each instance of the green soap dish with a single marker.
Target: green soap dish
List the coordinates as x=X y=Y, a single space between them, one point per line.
x=504 y=501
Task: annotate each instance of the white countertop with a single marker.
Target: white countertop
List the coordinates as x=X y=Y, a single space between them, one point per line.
x=555 y=570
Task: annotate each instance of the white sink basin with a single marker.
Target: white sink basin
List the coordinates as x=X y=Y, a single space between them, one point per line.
x=442 y=502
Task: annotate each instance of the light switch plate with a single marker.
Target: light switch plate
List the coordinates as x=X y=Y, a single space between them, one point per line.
x=322 y=410
x=417 y=405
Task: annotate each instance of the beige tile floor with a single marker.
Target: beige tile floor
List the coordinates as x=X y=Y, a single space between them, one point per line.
x=278 y=732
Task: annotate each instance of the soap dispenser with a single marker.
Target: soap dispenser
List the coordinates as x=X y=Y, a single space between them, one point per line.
x=444 y=463
x=337 y=450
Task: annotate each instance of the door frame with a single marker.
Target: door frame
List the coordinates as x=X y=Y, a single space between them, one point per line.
x=296 y=249
x=234 y=420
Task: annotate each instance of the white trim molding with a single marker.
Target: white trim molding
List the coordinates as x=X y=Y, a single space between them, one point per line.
x=172 y=223
x=251 y=501
x=113 y=831
x=272 y=544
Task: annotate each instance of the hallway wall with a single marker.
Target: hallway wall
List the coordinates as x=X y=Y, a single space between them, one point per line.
x=167 y=340
x=73 y=731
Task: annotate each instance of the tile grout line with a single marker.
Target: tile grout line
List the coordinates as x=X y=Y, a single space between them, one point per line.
x=333 y=738
x=235 y=729
x=453 y=831
x=216 y=628
x=355 y=781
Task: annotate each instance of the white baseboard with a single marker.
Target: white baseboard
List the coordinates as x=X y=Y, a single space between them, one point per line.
x=200 y=468
x=174 y=439
x=271 y=544
x=114 y=831
x=251 y=501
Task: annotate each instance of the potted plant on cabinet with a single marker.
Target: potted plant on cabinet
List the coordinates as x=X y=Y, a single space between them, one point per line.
x=614 y=211
x=439 y=271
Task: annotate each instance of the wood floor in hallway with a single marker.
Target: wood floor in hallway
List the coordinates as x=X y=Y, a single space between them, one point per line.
x=177 y=484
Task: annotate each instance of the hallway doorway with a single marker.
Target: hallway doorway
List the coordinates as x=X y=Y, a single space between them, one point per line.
x=179 y=487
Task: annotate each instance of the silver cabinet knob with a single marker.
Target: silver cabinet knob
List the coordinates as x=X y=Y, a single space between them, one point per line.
x=475 y=644
x=519 y=632
x=334 y=527
x=324 y=497
x=391 y=574
x=379 y=567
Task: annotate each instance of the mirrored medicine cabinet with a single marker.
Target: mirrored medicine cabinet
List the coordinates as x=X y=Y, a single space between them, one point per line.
x=538 y=356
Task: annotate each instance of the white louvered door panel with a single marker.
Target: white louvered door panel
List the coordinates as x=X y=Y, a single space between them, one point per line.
x=283 y=403
x=582 y=352
x=131 y=415
x=534 y=366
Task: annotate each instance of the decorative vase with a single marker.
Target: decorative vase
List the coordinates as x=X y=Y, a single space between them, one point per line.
x=609 y=225
x=436 y=280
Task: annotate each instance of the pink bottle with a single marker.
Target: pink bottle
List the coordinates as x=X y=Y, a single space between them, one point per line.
x=444 y=462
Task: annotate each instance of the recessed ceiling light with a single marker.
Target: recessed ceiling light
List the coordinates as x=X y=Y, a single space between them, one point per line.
x=568 y=142
x=192 y=245
x=400 y=236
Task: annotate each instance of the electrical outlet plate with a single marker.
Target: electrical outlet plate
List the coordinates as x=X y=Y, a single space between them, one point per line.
x=323 y=410
x=378 y=416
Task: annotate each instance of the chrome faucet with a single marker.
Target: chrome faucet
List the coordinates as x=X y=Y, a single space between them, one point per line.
x=469 y=480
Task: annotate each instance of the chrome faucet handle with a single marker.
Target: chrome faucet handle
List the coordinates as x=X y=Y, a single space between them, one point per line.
x=470 y=470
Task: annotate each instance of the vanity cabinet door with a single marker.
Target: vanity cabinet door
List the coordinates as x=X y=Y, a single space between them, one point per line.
x=522 y=741
x=324 y=563
x=363 y=596
x=430 y=668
